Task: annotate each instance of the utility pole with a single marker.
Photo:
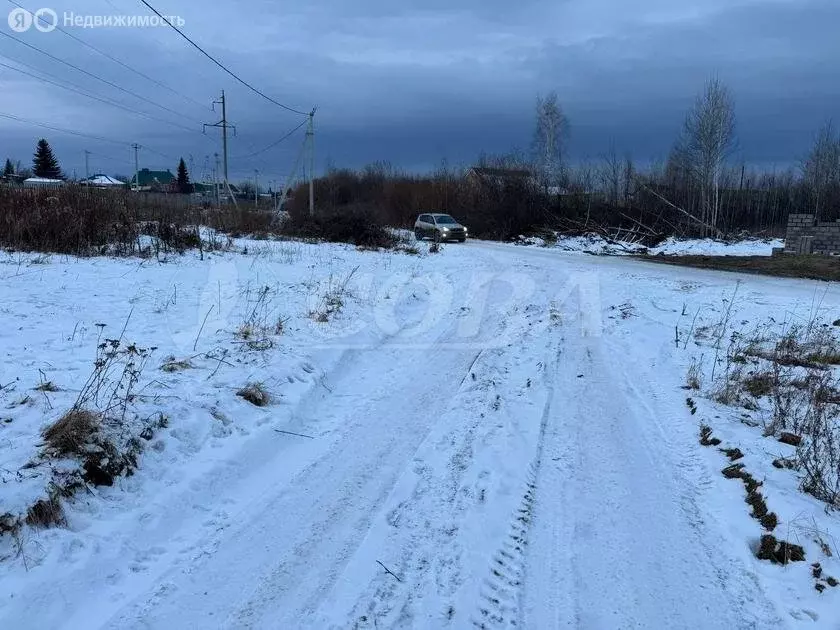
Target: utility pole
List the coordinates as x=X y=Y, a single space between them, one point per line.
x=256 y=188
x=308 y=143
x=136 y=148
x=310 y=135
x=216 y=178
x=223 y=123
x=87 y=168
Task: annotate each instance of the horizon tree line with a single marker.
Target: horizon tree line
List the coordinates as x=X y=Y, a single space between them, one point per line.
x=698 y=190
x=697 y=186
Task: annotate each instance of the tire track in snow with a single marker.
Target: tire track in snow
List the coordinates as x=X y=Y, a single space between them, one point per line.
x=501 y=591
x=428 y=532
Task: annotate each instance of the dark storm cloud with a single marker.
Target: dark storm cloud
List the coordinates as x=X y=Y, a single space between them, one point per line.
x=414 y=83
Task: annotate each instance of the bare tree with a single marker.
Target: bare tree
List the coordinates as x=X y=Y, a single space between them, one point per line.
x=629 y=174
x=550 y=135
x=821 y=169
x=610 y=175
x=707 y=140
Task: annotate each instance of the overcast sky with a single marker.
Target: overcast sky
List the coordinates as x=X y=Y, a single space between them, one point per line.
x=416 y=82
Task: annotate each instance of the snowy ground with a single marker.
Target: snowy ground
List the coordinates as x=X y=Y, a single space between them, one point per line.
x=596 y=244
x=494 y=436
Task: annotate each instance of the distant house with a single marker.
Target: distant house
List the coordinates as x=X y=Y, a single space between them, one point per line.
x=145 y=180
x=101 y=181
x=43 y=182
x=13 y=179
x=200 y=188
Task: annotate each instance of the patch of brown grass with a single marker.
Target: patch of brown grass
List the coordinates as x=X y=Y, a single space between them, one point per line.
x=171 y=365
x=46 y=513
x=779 y=552
x=734 y=454
x=759 y=505
x=825 y=357
x=769 y=521
x=256 y=394
x=706 y=438
x=791 y=439
x=735 y=471
x=814 y=267
x=759 y=384
x=69 y=434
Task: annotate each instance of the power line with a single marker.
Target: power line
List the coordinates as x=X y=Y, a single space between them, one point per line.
x=165 y=155
x=114 y=59
x=80 y=134
x=60 y=129
x=98 y=78
x=110 y=158
x=218 y=63
x=91 y=96
x=272 y=145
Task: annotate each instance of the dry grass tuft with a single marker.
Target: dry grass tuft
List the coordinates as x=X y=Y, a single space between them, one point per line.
x=734 y=454
x=332 y=302
x=759 y=505
x=790 y=439
x=706 y=438
x=171 y=365
x=46 y=513
x=72 y=432
x=769 y=521
x=735 y=471
x=256 y=394
x=779 y=552
x=759 y=384
x=692 y=379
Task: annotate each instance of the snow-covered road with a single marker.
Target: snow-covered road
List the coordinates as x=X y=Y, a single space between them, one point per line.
x=524 y=460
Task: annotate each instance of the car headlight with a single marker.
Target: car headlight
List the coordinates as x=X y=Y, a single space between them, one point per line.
x=445 y=229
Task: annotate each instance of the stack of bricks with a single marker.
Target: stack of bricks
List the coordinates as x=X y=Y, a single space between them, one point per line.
x=805 y=235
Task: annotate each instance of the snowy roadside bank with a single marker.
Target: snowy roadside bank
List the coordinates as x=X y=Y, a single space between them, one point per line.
x=672 y=246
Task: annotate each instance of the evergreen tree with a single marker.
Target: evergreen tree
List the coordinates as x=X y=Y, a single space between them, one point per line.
x=184 y=185
x=9 y=169
x=44 y=163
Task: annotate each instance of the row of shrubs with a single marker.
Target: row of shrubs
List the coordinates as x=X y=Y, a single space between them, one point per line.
x=84 y=222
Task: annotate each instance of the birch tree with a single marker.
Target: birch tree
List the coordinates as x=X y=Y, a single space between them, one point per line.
x=707 y=140
x=550 y=135
x=821 y=169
